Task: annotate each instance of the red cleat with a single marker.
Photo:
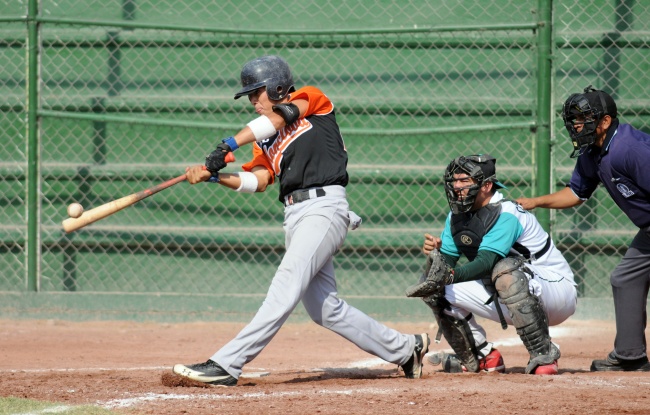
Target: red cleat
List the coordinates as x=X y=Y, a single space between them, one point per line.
x=546 y=369
x=493 y=362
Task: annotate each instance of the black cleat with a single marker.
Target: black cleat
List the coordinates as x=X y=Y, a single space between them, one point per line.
x=209 y=372
x=614 y=364
x=413 y=368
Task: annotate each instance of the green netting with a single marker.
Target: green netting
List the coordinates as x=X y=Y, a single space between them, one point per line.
x=130 y=92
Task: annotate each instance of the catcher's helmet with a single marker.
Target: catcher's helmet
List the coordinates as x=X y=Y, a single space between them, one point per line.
x=586 y=109
x=270 y=71
x=481 y=167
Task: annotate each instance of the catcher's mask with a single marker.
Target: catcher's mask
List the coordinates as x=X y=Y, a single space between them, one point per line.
x=586 y=110
x=480 y=167
x=269 y=71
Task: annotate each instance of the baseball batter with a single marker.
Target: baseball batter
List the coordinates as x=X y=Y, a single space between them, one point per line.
x=515 y=274
x=296 y=140
x=615 y=155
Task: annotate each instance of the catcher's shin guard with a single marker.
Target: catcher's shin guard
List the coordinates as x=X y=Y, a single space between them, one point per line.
x=526 y=311
x=457 y=333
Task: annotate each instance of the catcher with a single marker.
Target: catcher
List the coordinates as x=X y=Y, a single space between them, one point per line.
x=514 y=274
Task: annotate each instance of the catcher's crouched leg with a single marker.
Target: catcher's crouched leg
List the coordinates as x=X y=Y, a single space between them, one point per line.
x=526 y=311
x=458 y=334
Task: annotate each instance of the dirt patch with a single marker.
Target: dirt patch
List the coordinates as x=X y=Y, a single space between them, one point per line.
x=306 y=369
x=174 y=381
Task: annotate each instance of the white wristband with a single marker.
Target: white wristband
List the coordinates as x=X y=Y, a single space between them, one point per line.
x=248 y=182
x=262 y=128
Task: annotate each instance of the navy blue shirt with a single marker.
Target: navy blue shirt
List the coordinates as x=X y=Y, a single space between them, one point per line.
x=622 y=165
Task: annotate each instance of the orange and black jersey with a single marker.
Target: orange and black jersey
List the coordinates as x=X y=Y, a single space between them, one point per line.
x=308 y=153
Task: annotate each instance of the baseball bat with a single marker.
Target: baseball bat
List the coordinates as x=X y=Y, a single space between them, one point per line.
x=107 y=209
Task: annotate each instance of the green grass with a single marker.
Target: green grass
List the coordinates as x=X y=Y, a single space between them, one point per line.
x=12 y=406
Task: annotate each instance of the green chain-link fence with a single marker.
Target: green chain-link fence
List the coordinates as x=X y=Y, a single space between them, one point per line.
x=101 y=99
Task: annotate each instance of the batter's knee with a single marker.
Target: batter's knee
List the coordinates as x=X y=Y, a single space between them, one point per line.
x=329 y=312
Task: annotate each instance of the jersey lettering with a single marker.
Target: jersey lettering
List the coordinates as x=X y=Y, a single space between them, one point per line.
x=308 y=153
x=284 y=138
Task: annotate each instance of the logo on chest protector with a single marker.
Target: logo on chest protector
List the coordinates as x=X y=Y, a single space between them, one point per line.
x=625 y=191
x=466 y=239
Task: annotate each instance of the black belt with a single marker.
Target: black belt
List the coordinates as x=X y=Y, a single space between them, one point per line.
x=544 y=250
x=302 y=195
x=526 y=253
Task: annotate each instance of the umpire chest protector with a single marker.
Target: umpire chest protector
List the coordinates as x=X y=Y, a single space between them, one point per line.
x=468 y=229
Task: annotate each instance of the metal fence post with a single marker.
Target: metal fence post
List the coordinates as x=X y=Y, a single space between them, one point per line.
x=33 y=150
x=544 y=102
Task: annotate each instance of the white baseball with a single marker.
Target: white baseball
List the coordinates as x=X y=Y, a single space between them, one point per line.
x=75 y=210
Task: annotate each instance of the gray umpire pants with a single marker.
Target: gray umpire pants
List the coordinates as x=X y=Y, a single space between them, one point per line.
x=630 y=283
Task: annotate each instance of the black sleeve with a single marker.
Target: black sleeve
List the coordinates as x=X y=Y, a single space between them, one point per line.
x=477 y=269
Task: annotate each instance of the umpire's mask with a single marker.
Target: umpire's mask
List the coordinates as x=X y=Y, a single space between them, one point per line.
x=586 y=110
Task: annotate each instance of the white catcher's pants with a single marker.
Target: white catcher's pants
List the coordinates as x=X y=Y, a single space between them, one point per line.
x=556 y=292
x=315 y=229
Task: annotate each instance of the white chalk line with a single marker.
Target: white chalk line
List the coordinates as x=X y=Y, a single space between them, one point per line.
x=85 y=369
x=149 y=397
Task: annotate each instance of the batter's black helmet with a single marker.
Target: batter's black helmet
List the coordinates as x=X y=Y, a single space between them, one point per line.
x=586 y=109
x=480 y=167
x=270 y=71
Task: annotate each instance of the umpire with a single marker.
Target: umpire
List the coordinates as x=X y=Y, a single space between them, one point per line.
x=615 y=155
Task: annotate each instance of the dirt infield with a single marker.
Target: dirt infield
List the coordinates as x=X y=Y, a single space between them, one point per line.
x=305 y=369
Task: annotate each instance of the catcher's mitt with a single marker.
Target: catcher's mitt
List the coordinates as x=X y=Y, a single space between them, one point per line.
x=436 y=276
